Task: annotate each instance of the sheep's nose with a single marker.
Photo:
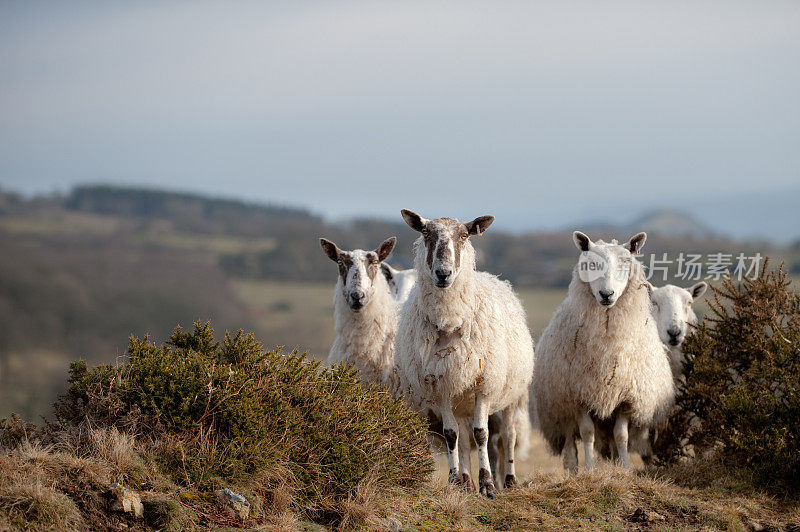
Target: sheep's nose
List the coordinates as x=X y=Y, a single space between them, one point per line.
x=442 y=275
x=673 y=332
x=605 y=294
x=357 y=296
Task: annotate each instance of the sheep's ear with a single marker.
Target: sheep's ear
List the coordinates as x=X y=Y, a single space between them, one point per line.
x=479 y=225
x=385 y=248
x=698 y=289
x=330 y=249
x=414 y=220
x=582 y=242
x=636 y=243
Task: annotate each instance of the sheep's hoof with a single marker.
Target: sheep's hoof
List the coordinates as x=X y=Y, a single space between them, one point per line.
x=487 y=484
x=454 y=477
x=510 y=481
x=466 y=482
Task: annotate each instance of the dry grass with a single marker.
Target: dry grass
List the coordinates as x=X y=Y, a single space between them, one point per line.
x=609 y=498
x=29 y=497
x=614 y=498
x=47 y=488
x=31 y=504
x=116 y=449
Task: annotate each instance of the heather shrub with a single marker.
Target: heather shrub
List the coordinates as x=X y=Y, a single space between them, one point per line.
x=741 y=398
x=220 y=412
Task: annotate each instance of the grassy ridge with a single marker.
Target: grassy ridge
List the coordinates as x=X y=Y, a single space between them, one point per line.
x=48 y=488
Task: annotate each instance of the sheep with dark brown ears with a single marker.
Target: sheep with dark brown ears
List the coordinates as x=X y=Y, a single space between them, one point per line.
x=463 y=345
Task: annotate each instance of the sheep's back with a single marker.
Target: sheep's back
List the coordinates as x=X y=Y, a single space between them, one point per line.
x=554 y=401
x=500 y=334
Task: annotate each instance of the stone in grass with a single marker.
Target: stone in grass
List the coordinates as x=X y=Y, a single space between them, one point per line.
x=391 y=524
x=125 y=500
x=646 y=516
x=235 y=502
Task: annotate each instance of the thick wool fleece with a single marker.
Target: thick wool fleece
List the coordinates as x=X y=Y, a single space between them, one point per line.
x=365 y=339
x=471 y=337
x=601 y=359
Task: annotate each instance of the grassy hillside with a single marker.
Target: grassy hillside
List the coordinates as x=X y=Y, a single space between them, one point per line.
x=313 y=449
x=609 y=499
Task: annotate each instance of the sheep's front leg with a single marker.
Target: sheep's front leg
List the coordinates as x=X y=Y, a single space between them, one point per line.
x=464 y=451
x=495 y=447
x=570 y=453
x=621 y=439
x=450 y=429
x=508 y=432
x=647 y=447
x=480 y=426
x=586 y=427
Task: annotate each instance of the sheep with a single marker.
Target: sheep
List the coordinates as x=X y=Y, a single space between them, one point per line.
x=463 y=345
x=365 y=319
x=600 y=360
x=365 y=312
x=400 y=281
x=672 y=308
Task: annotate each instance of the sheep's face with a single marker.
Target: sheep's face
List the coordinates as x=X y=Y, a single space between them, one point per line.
x=357 y=270
x=445 y=239
x=607 y=267
x=672 y=308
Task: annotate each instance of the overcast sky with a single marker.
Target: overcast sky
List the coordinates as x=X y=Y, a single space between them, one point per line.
x=540 y=113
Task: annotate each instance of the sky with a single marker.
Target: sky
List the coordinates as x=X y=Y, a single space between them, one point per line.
x=541 y=113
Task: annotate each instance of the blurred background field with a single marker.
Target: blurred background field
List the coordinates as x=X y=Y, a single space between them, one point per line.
x=81 y=272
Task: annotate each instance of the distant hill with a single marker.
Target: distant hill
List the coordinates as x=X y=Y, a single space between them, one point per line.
x=771 y=216
x=282 y=242
x=670 y=223
x=189 y=212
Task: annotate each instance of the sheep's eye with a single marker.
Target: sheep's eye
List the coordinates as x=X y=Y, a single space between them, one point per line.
x=464 y=236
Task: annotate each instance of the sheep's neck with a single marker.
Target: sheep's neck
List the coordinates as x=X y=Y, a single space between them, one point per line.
x=450 y=309
x=590 y=309
x=380 y=313
x=447 y=343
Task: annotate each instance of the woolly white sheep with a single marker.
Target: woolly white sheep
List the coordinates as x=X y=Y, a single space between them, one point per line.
x=463 y=345
x=600 y=360
x=400 y=281
x=672 y=308
x=365 y=312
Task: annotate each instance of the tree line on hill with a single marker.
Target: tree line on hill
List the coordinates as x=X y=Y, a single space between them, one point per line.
x=532 y=259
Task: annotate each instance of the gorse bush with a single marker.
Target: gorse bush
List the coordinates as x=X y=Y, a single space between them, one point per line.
x=225 y=411
x=742 y=391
